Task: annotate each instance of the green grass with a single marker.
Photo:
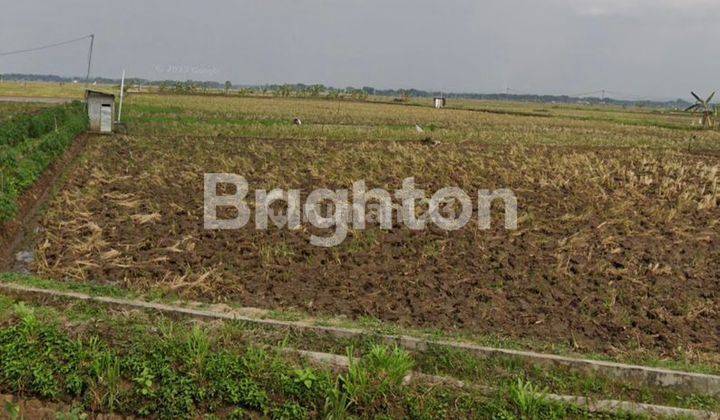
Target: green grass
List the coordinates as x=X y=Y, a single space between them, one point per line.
x=496 y=372
x=495 y=123
x=35 y=124
x=506 y=371
x=10 y=110
x=170 y=369
x=371 y=326
x=29 y=144
x=87 y=288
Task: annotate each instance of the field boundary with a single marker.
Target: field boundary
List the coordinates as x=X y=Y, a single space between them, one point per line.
x=15 y=231
x=687 y=382
x=591 y=404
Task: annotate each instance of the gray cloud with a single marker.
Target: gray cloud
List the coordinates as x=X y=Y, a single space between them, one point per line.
x=640 y=8
x=649 y=48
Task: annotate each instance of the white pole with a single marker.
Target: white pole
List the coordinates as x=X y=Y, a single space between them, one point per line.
x=122 y=94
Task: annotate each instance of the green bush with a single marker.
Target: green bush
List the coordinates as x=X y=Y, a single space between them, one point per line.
x=29 y=144
x=152 y=377
x=181 y=373
x=24 y=127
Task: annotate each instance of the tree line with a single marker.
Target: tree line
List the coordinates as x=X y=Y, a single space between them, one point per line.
x=319 y=90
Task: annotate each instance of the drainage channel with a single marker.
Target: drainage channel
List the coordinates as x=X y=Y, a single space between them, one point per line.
x=685 y=382
x=16 y=232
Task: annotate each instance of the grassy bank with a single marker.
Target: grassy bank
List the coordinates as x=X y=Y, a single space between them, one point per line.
x=129 y=364
x=29 y=144
x=499 y=372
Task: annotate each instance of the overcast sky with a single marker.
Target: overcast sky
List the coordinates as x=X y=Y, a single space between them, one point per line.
x=648 y=48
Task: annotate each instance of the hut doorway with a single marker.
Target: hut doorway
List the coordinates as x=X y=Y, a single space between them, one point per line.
x=106 y=118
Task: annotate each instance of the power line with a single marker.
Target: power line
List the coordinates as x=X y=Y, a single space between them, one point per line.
x=3 y=54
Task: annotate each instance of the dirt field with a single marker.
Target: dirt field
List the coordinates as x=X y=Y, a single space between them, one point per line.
x=617 y=246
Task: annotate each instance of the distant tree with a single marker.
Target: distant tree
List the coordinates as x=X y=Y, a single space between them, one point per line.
x=357 y=94
x=316 y=90
x=228 y=86
x=284 y=91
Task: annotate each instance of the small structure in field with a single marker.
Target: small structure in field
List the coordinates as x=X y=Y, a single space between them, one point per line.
x=101 y=110
x=439 y=102
x=706 y=108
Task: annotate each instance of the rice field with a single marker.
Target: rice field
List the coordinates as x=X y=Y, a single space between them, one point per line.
x=616 y=248
x=10 y=110
x=44 y=90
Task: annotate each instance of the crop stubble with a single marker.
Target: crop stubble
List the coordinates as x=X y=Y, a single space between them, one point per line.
x=616 y=248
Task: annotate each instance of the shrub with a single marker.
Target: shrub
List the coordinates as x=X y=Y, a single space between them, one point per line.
x=24 y=127
x=29 y=144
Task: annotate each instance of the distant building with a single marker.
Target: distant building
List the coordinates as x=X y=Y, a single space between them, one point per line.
x=101 y=110
x=439 y=103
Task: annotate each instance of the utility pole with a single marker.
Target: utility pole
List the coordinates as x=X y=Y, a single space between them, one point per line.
x=122 y=95
x=603 y=95
x=87 y=77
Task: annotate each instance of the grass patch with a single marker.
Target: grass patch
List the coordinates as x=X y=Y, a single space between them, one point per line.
x=178 y=370
x=371 y=326
x=29 y=144
x=496 y=372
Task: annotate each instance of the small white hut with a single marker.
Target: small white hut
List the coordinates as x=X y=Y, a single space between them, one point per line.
x=101 y=110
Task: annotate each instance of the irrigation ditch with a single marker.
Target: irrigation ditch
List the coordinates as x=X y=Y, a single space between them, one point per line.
x=17 y=231
x=679 y=381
